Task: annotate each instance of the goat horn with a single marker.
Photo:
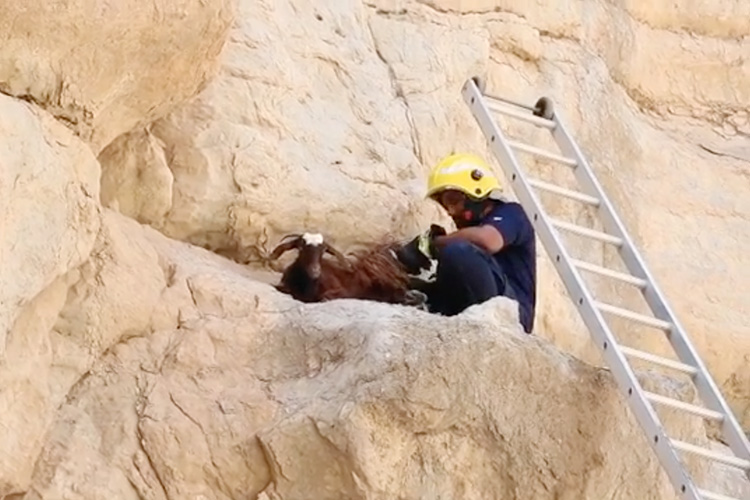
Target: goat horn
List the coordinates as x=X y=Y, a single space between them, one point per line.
x=338 y=255
x=285 y=246
x=291 y=235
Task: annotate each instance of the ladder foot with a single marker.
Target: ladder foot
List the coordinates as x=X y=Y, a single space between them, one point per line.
x=544 y=108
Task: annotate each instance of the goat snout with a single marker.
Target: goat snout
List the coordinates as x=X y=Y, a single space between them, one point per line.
x=314 y=270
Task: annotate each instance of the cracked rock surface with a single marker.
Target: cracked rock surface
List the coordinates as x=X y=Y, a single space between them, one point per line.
x=324 y=114
x=104 y=67
x=140 y=358
x=224 y=389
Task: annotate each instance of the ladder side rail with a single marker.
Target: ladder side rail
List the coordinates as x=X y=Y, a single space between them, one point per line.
x=621 y=370
x=685 y=350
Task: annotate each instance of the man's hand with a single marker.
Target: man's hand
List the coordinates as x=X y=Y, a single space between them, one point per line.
x=426 y=241
x=418 y=256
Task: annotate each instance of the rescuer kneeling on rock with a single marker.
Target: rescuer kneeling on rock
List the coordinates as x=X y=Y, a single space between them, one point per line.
x=493 y=250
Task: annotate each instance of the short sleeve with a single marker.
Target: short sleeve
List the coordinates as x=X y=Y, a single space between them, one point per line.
x=511 y=221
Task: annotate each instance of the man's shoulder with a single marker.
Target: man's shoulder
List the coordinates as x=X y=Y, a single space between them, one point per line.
x=511 y=220
x=510 y=209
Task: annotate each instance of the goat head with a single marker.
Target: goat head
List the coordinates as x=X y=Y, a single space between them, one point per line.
x=293 y=241
x=312 y=241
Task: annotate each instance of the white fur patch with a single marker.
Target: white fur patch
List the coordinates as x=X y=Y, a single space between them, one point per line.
x=429 y=275
x=313 y=239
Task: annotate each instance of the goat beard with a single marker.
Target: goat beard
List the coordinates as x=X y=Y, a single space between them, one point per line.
x=315 y=271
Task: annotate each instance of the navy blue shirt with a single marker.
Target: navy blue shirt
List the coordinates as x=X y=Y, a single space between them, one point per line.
x=517 y=258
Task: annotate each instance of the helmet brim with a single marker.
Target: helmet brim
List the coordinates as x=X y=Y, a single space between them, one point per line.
x=494 y=194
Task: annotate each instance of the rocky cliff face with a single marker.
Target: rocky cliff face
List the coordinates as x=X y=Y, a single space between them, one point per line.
x=297 y=135
x=147 y=145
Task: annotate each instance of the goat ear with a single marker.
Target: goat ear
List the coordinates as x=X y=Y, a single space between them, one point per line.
x=344 y=261
x=285 y=246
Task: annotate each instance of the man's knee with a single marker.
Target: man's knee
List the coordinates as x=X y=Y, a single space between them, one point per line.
x=464 y=277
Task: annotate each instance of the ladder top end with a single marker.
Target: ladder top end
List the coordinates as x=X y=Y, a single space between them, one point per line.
x=544 y=108
x=479 y=82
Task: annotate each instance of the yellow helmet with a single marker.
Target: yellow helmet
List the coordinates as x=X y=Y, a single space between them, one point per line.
x=464 y=172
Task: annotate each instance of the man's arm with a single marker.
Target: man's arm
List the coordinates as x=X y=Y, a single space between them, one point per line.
x=485 y=236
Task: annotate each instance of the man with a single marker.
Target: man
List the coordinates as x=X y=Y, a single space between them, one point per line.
x=491 y=253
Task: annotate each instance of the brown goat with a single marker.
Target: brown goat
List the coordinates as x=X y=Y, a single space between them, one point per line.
x=371 y=274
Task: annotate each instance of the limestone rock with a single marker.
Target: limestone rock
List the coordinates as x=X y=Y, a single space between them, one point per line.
x=306 y=134
x=272 y=146
x=140 y=169
x=49 y=188
x=104 y=67
x=251 y=393
x=49 y=219
x=62 y=332
x=111 y=297
x=136 y=366
x=208 y=383
x=26 y=403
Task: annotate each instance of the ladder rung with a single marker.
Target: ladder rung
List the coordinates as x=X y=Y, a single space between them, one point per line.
x=710 y=495
x=584 y=231
x=568 y=193
x=658 y=360
x=640 y=318
x=497 y=107
x=544 y=154
x=687 y=407
x=712 y=455
x=507 y=100
x=627 y=278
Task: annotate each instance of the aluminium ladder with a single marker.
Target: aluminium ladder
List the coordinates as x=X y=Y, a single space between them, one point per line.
x=482 y=106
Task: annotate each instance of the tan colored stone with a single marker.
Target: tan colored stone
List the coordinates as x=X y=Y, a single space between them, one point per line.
x=49 y=185
x=49 y=219
x=139 y=168
x=61 y=333
x=290 y=136
x=26 y=401
x=660 y=114
x=104 y=67
x=136 y=366
x=111 y=297
x=259 y=394
x=723 y=19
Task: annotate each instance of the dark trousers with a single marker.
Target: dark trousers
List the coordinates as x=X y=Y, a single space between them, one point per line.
x=466 y=275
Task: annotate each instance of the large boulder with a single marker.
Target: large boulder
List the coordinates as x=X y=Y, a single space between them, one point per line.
x=224 y=388
x=304 y=128
x=60 y=334
x=49 y=190
x=105 y=67
x=49 y=220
